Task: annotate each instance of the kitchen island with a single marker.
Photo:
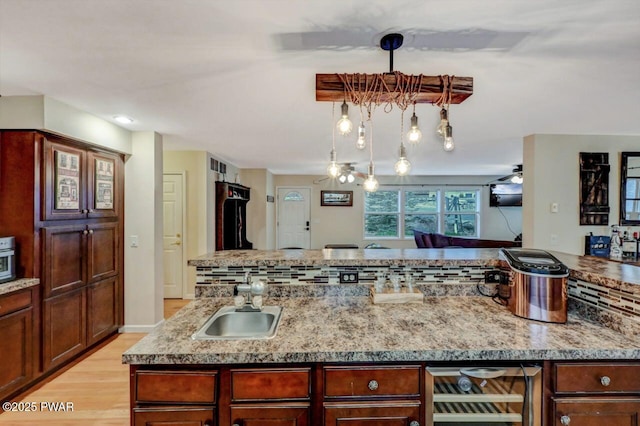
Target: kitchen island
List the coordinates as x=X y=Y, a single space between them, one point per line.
x=330 y=329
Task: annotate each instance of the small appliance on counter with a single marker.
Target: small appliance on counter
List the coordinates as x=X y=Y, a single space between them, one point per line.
x=7 y=259
x=537 y=285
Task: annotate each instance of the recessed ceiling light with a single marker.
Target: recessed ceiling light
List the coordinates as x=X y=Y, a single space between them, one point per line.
x=123 y=119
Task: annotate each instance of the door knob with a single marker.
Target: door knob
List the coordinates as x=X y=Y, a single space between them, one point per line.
x=177 y=243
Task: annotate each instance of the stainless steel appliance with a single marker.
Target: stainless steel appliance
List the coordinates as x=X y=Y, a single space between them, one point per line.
x=480 y=395
x=537 y=285
x=7 y=259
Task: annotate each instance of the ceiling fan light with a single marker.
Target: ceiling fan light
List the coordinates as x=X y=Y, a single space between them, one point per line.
x=350 y=177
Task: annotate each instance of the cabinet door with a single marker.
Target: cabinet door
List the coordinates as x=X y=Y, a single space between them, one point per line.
x=102 y=250
x=102 y=309
x=596 y=411
x=379 y=413
x=64 y=258
x=64 y=327
x=16 y=350
x=272 y=414
x=104 y=174
x=174 y=416
x=64 y=175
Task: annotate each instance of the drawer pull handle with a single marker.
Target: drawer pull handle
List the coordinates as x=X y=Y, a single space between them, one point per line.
x=605 y=380
x=373 y=385
x=565 y=420
x=414 y=423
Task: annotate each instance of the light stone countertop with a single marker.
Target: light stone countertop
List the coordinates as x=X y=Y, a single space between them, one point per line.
x=19 y=284
x=351 y=329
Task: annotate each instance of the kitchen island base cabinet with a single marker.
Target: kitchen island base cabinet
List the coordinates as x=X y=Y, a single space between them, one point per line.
x=395 y=413
x=174 y=416
x=272 y=414
x=596 y=411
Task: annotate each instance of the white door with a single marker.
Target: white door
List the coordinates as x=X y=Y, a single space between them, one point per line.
x=294 y=219
x=173 y=192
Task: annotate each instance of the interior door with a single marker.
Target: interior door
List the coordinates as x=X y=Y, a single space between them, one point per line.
x=173 y=192
x=294 y=218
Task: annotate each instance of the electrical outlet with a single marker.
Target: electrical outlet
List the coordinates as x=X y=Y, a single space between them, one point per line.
x=492 y=277
x=348 y=277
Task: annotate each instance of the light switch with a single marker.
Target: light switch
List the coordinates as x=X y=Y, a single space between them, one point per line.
x=134 y=241
x=554 y=207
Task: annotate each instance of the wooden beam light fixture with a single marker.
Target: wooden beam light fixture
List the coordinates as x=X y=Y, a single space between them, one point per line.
x=393 y=89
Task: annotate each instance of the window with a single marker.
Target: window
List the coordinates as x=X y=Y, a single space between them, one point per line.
x=396 y=213
x=293 y=196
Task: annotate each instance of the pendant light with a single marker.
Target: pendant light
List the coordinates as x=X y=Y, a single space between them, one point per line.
x=333 y=169
x=448 y=139
x=344 y=124
x=371 y=183
x=415 y=135
x=403 y=165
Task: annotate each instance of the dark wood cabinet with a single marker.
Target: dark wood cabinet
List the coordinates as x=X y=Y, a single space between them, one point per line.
x=272 y=414
x=64 y=327
x=69 y=196
x=231 y=216
x=18 y=351
x=174 y=416
x=102 y=313
x=593 y=393
x=388 y=413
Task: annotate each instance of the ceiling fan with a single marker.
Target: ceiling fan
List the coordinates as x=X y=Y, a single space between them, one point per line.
x=348 y=174
x=515 y=177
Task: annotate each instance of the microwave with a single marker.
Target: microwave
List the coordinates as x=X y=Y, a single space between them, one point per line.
x=7 y=259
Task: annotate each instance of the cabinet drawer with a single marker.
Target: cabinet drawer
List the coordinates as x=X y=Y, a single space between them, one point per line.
x=196 y=387
x=372 y=381
x=269 y=384
x=598 y=377
x=15 y=301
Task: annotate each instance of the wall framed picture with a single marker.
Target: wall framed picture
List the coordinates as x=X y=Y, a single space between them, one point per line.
x=67 y=179
x=336 y=198
x=104 y=184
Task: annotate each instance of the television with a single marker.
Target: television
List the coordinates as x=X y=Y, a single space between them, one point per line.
x=505 y=195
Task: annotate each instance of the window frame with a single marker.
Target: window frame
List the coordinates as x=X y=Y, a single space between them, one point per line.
x=441 y=213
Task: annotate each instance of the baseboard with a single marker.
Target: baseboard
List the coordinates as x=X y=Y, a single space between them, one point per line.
x=138 y=328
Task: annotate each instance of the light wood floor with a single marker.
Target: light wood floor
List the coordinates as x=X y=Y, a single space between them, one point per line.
x=97 y=386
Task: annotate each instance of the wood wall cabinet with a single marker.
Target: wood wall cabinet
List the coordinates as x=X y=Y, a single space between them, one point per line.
x=19 y=337
x=594 y=393
x=68 y=233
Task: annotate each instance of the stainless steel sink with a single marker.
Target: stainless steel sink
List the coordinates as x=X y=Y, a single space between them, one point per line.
x=229 y=324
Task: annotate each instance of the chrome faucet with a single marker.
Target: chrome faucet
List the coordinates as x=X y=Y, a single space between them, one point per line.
x=248 y=291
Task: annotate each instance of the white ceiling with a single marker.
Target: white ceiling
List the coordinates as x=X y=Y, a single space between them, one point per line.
x=237 y=78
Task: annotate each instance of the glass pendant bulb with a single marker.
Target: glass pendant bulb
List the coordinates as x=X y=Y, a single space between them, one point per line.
x=371 y=183
x=444 y=120
x=448 y=138
x=414 y=135
x=361 y=142
x=333 y=170
x=403 y=165
x=344 y=124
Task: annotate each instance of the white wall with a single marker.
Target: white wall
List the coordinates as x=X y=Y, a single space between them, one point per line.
x=551 y=175
x=45 y=113
x=144 y=280
x=344 y=225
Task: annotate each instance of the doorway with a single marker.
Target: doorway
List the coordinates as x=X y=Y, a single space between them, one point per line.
x=294 y=217
x=173 y=202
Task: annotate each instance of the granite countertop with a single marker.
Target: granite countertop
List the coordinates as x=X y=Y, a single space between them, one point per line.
x=15 y=285
x=350 y=257
x=351 y=329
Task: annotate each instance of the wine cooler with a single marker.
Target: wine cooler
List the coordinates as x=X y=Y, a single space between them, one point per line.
x=496 y=396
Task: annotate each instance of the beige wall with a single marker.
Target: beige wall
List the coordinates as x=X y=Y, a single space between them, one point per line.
x=344 y=225
x=551 y=175
x=259 y=212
